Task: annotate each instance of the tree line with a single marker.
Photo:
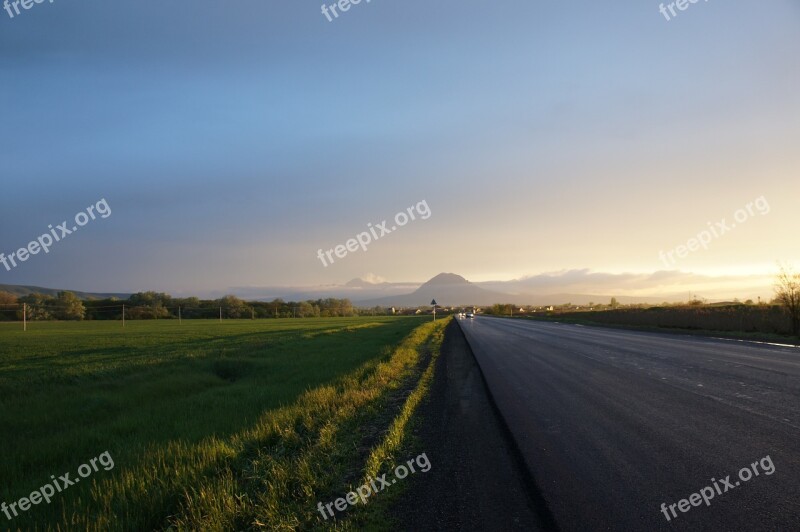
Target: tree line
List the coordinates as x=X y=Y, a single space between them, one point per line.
x=157 y=305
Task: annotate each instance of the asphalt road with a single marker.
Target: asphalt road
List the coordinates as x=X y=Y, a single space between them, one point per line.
x=477 y=480
x=612 y=423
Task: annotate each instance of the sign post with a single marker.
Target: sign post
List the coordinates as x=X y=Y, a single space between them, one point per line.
x=433 y=302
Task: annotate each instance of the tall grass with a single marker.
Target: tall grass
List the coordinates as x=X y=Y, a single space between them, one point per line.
x=300 y=455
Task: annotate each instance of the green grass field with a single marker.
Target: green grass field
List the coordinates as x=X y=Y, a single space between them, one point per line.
x=211 y=425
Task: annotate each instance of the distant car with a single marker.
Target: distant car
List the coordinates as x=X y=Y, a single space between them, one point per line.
x=470 y=315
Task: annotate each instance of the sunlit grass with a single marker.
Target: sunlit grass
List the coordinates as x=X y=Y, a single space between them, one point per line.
x=306 y=453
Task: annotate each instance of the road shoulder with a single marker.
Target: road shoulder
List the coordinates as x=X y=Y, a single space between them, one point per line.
x=477 y=480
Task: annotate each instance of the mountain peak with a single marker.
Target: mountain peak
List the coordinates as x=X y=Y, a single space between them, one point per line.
x=357 y=283
x=448 y=279
x=369 y=280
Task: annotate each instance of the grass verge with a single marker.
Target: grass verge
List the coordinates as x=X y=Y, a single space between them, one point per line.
x=273 y=475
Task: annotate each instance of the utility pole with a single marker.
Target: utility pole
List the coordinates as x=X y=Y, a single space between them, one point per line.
x=123 y=315
x=179 y=315
x=220 y=314
x=24 y=317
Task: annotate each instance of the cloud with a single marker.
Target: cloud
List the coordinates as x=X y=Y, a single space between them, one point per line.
x=373 y=279
x=668 y=284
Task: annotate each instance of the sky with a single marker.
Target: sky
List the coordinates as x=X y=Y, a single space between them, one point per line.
x=233 y=140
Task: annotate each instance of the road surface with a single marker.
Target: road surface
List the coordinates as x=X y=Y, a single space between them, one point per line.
x=612 y=424
x=477 y=480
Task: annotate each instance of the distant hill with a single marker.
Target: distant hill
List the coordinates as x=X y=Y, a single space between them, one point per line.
x=20 y=291
x=361 y=283
x=453 y=290
x=447 y=289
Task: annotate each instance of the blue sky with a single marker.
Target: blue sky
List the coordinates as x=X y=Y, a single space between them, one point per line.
x=233 y=140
